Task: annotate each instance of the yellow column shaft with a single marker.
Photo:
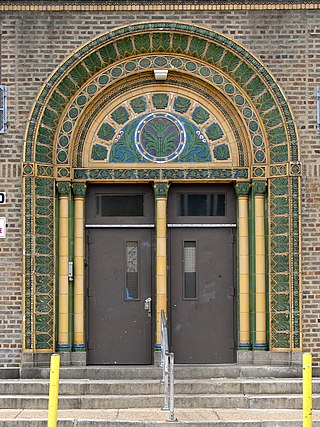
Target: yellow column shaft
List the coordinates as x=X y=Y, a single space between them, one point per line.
x=260 y=260
x=78 y=339
x=161 y=262
x=244 y=291
x=63 y=338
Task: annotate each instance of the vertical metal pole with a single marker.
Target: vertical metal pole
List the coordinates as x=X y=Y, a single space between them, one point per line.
x=307 y=390
x=53 y=390
x=166 y=382
x=171 y=416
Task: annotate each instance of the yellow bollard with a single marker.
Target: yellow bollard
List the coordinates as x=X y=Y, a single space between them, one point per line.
x=307 y=390
x=53 y=390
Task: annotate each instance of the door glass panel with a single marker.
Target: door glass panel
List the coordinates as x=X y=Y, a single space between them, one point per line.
x=119 y=205
x=190 y=279
x=132 y=275
x=202 y=205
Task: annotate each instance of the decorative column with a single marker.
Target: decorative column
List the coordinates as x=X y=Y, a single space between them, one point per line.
x=242 y=190
x=259 y=188
x=63 y=293
x=79 y=192
x=161 y=192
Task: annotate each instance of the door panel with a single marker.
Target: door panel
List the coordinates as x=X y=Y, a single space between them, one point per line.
x=202 y=306
x=201 y=247
x=119 y=227
x=119 y=329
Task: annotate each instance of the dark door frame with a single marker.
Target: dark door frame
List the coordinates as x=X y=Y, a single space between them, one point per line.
x=126 y=223
x=232 y=219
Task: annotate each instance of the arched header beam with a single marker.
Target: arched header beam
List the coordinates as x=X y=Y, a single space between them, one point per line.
x=183 y=40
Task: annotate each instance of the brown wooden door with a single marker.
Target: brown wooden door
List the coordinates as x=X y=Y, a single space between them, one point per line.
x=119 y=276
x=202 y=296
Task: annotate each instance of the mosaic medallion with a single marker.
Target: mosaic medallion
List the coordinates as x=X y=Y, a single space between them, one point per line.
x=160 y=137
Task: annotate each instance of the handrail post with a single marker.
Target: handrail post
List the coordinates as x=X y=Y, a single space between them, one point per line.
x=53 y=390
x=171 y=416
x=167 y=363
x=166 y=383
x=307 y=390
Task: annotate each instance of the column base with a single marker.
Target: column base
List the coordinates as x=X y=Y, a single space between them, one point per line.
x=63 y=347
x=244 y=347
x=42 y=360
x=273 y=358
x=78 y=358
x=261 y=347
x=78 y=347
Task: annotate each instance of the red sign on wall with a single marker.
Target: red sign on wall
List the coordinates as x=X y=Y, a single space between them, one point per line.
x=2 y=227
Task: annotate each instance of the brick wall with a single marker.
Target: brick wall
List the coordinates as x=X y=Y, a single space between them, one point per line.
x=34 y=43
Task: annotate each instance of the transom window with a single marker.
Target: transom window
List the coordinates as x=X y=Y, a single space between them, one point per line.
x=113 y=205
x=202 y=204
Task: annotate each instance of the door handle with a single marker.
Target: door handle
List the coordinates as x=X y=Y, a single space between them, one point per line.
x=147 y=305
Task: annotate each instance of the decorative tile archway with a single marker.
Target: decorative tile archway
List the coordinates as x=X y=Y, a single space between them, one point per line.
x=235 y=125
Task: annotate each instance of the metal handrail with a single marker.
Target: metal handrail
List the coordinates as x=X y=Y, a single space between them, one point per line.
x=167 y=363
x=164 y=338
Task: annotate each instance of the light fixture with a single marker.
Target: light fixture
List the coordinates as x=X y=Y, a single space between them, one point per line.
x=160 y=74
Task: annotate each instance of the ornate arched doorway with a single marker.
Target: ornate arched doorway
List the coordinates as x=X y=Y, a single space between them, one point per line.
x=217 y=118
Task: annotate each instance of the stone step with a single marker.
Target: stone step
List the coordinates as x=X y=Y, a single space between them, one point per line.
x=118 y=387
x=107 y=423
x=155 y=417
x=279 y=401
x=153 y=372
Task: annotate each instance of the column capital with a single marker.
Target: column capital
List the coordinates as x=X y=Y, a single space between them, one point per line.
x=161 y=189
x=259 y=187
x=242 y=188
x=63 y=188
x=79 y=189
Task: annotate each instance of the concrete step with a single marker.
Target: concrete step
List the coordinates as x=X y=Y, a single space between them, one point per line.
x=181 y=372
x=155 y=417
x=134 y=387
x=279 y=401
x=106 y=423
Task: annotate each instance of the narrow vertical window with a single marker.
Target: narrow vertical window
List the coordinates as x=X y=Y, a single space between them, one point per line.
x=3 y=109
x=190 y=275
x=132 y=275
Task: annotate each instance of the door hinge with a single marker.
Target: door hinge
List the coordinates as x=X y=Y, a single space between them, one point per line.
x=231 y=292
x=90 y=292
x=232 y=344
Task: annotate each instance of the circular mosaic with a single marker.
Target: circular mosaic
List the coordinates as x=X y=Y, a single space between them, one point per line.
x=145 y=63
x=160 y=61
x=116 y=72
x=92 y=89
x=131 y=66
x=160 y=137
x=176 y=62
x=104 y=79
x=67 y=126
